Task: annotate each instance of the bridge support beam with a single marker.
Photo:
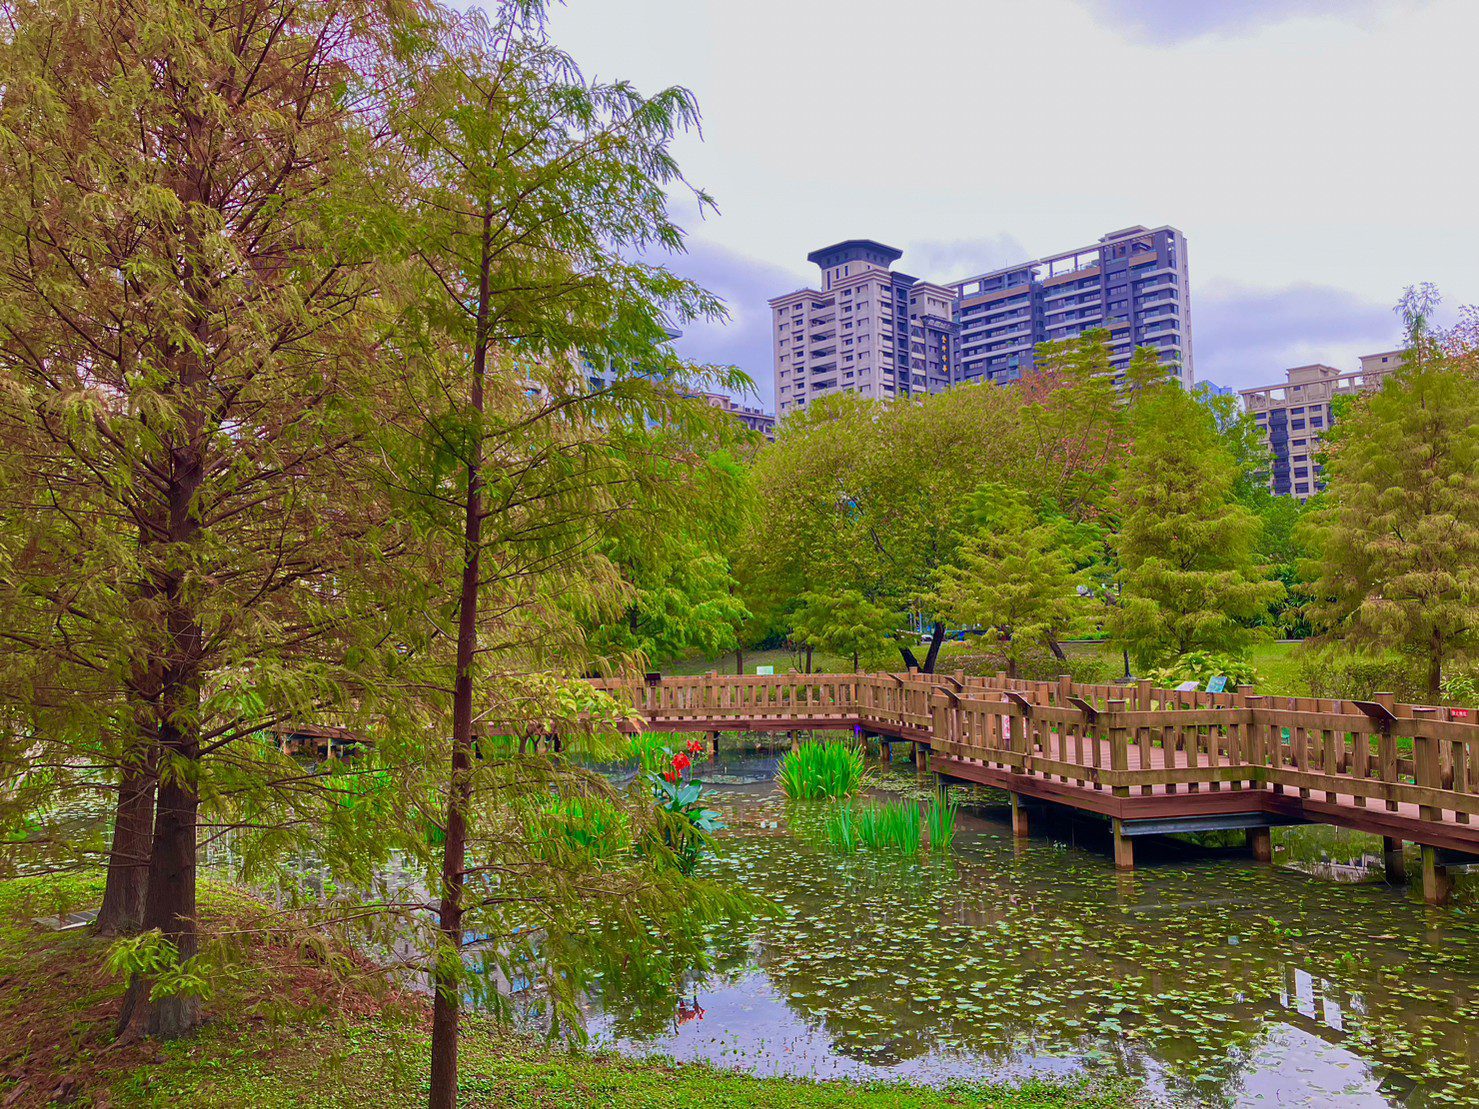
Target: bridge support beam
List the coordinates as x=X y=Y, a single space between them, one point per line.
x=1019 y=817
x=1124 y=847
x=1394 y=860
x=1261 y=843
x=885 y=751
x=1437 y=884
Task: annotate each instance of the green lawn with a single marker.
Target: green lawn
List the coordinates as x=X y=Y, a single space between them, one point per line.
x=285 y=1032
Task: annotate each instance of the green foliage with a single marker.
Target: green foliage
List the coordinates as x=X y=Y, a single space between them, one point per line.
x=842 y=828
x=153 y=958
x=817 y=771
x=939 y=821
x=845 y=624
x=890 y=826
x=1187 y=549
x=1198 y=666
x=591 y=825
x=1394 y=547
x=651 y=751
x=1333 y=671
x=1011 y=578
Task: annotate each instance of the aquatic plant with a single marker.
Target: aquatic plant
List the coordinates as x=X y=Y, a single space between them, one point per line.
x=685 y=799
x=651 y=751
x=893 y=825
x=939 y=820
x=815 y=771
x=588 y=824
x=842 y=828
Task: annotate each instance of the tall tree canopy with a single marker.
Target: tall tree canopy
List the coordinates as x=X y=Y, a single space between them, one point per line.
x=189 y=329
x=1189 y=572
x=1395 y=543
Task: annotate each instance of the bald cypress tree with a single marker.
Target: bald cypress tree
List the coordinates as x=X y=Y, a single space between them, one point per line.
x=1395 y=544
x=1189 y=573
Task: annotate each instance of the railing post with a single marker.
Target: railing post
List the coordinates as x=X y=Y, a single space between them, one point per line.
x=1119 y=744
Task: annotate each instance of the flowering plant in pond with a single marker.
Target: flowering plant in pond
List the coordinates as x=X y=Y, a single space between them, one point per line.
x=684 y=799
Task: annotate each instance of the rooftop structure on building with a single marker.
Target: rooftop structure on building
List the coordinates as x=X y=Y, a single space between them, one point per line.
x=1295 y=414
x=756 y=419
x=875 y=331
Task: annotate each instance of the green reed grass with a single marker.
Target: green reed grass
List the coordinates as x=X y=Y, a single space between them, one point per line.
x=939 y=821
x=892 y=826
x=842 y=828
x=816 y=771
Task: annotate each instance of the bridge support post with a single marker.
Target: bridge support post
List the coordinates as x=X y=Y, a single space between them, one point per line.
x=1437 y=884
x=885 y=751
x=1019 y=817
x=714 y=742
x=1261 y=843
x=795 y=740
x=1124 y=847
x=1394 y=860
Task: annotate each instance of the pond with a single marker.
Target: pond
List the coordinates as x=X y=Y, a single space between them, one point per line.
x=1216 y=980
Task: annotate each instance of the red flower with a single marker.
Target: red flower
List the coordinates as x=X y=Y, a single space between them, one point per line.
x=669 y=776
x=681 y=762
x=695 y=746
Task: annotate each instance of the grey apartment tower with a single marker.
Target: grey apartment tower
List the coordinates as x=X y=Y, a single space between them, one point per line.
x=872 y=330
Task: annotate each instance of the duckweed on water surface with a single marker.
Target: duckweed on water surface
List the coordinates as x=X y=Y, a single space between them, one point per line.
x=1217 y=980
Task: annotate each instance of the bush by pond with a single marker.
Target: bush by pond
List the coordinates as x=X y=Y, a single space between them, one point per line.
x=821 y=771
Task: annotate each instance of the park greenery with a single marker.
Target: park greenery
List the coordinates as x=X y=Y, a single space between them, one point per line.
x=337 y=399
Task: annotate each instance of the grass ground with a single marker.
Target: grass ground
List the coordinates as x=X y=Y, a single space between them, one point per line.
x=284 y=1031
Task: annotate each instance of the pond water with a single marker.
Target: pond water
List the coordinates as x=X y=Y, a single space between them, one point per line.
x=1216 y=980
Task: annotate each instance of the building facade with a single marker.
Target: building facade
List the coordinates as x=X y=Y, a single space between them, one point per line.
x=874 y=331
x=753 y=418
x=1295 y=415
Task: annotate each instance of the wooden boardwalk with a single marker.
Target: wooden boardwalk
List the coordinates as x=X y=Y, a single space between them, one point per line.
x=1149 y=760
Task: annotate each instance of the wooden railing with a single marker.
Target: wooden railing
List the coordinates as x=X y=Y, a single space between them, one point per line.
x=1126 y=740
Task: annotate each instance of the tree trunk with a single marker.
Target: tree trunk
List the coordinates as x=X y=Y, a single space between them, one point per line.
x=447 y=972
x=1056 y=648
x=937 y=637
x=808 y=660
x=854 y=662
x=1435 y=669
x=169 y=902
x=128 y=859
x=739 y=662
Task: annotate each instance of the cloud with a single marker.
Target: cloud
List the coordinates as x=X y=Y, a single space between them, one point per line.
x=1244 y=336
x=944 y=260
x=745 y=339
x=1174 y=21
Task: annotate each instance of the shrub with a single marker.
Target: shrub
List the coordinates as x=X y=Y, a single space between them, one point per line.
x=1044 y=667
x=939 y=819
x=817 y=771
x=1343 y=674
x=1198 y=666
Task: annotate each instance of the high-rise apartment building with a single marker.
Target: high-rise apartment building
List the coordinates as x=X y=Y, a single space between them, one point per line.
x=880 y=333
x=1295 y=415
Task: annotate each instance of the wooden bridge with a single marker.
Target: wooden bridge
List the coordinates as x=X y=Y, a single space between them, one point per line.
x=1151 y=761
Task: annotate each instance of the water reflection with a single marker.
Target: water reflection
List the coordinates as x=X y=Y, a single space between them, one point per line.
x=1217 y=980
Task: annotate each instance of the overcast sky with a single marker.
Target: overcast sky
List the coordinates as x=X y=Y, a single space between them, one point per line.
x=1318 y=154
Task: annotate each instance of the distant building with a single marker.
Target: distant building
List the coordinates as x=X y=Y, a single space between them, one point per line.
x=1295 y=415
x=879 y=333
x=601 y=371
x=753 y=418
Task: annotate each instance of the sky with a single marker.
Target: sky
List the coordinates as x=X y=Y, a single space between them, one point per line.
x=1314 y=152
